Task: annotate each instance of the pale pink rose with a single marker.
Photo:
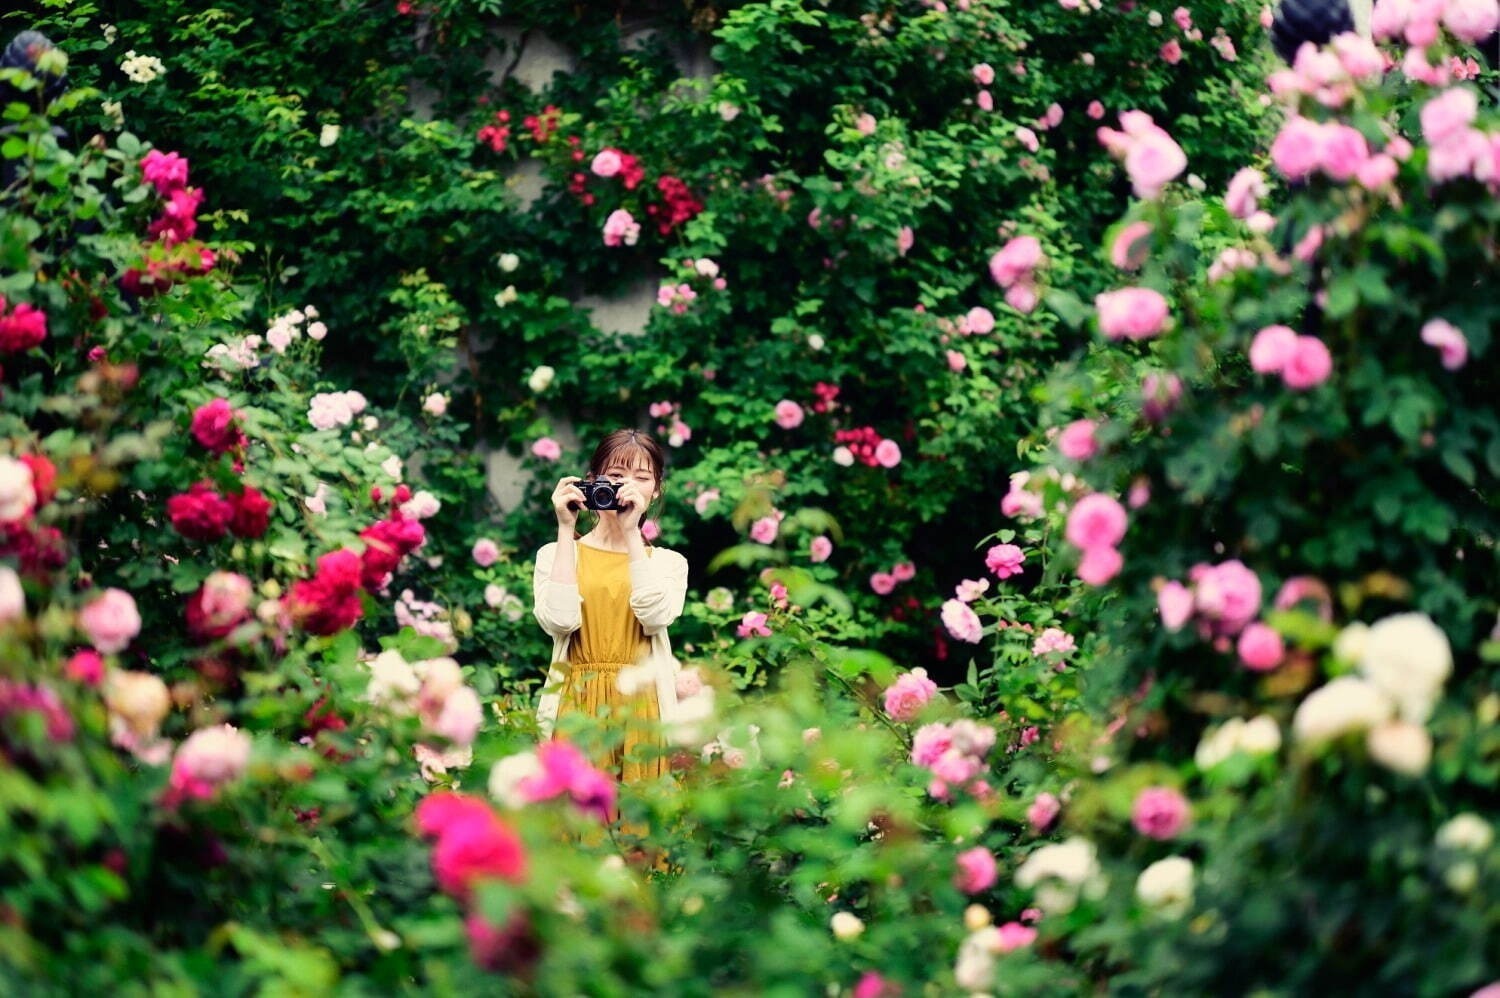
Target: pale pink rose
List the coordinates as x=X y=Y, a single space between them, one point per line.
x=970 y=590
x=1451 y=344
x=1472 y=20
x=957 y=362
x=1131 y=313
x=1095 y=110
x=1096 y=521
x=1183 y=18
x=882 y=583
x=1344 y=151
x=689 y=684
x=789 y=415
x=210 y=758
x=1099 y=565
x=843 y=456
x=1171 y=52
x=1053 y=641
x=1307 y=247
x=820 y=549
x=547 y=449
x=1153 y=161
x=1458 y=156
x=961 y=622
x=905 y=698
x=1159 y=813
x=1139 y=494
x=1359 y=56
x=1388 y=18
x=1022 y=503
x=753 y=625
x=985 y=100
x=435 y=404
x=1260 y=648
x=607 y=163
x=222 y=602
x=1131 y=245
x=621 y=229
x=1054 y=115
x=1004 y=560
x=1016 y=260
x=1160 y=394
x=1246 y=188
x=976 y=870
x=1377 y=172
x=905 y=240
x=1013 y=935
x=1174 y=602
x=1226 y=595
x=984 y=74
x=866 y=124
x=110 y=621
x=929 y=744
x=979 y=320
x=888 y=453
x=764 y=530
x=1043 y=812
x=485 y=553
x=1298 y=148
x=1309 y=365
x=704 y=499
x=1077 y=442
x=1448 y=114
x=1021 y=297
x=1272 y=348
x=1028 y=139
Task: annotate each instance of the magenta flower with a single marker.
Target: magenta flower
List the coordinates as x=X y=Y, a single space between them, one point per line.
x=753 y=625
x=1004 y=560
x=1159 y=813
x=1309 y=365
x=764 y=530
x=1099 y=565
x=882 y=583
x=1451 y=344
x=975 y=870
x=1076 y=442
x=820 y=549
x=888 y=453
x=1272 y=348
x=1260 y=648
x=1096 y=521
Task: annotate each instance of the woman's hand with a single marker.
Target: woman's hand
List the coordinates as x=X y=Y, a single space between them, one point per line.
x=633 y=504
x=567 y=500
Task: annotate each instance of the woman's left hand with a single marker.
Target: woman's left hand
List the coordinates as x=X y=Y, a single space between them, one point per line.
x=632 y=505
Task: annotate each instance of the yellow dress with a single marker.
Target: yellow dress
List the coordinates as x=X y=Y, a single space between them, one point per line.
x=610 y=639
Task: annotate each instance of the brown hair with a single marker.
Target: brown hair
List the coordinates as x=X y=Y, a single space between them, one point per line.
x=624 y=447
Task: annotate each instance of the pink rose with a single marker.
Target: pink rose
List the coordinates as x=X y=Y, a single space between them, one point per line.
x=1260 y=648
x=209 y=759
x=1159 y=813
x=1131 y=245
x=1099 y=565
x=110 y=621
x=962 y=622
x=1021 y=297
x=1013 y=935
x=882 y=583
x=1160 y=394
x=970 y=590
x=1272 y=348
x=905 y=240
x=888 y=453
x=621 y=229
x=1451 y=344
x=984 y=74
x=1131 y=313
x=985 y=100
x=789 y=415
x=1472 y=20
x=607 y=163
x=1016 y=260
x=1095 y=110
x=485 y=552
x=1448 y=114
x=1174 y=602
x=1004 y=560
x=547 y=449
x=215 y=427
x=1043 y=812
x=979 y=320
x=1076 y=442
x=1377 y=172
x=219 y=605
x=906 y=697
x=1152 y=162
x=1246 y=188
x=166 y=172
x=976 y=870
x=1171 y=52
x=1227 y=595
x=957 y=362
x=1298 y=148
x=1309 y=365
x=460 y=718
x=904 y=571
x=866 y=124
x=1344 y=151
x=764 y=530
x=820 y=549
x=1028 y=139
x=1096 y=521
x=705 y=499
x=753 y=625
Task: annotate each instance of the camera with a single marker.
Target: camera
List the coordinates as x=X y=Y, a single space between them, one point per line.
x=600 y=493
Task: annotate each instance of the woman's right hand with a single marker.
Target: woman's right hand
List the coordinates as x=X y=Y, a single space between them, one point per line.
x=567 y=500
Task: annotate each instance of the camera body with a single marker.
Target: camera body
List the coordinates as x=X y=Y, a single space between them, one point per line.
x=600 y=494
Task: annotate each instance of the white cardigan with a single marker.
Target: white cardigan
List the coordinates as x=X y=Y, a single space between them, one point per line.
x=658 y=589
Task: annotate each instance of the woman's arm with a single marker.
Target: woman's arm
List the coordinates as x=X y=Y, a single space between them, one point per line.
x=658 y=589
x=557 y=605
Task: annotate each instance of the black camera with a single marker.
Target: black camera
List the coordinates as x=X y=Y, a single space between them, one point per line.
x=600 y=493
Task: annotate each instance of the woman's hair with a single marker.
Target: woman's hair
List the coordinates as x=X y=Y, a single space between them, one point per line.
x=627 y=448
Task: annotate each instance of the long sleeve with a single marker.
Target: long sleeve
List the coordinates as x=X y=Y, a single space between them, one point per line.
x=558 y=607
x=658 y=589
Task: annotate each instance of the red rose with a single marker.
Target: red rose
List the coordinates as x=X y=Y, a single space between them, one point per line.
x=328 y=602
x=386 y=543
x=22 y=329
x=43 y=477
x=200 y=513
x=215 y=427
x=252 y=513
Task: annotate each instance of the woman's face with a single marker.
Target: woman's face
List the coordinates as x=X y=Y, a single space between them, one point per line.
x=632 y=467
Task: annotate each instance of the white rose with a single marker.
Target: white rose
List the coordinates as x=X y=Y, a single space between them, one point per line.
x=1467 y=832
x=507 y=775
x=1261 y=736
x=1408 y=658
x=1058 y=871
x=815 y=341
x=509 y=262
x=843 y=456
x=634 y=678
x=392 y=467
x=1462 y=878
x=1350 y=644
x=12 y=597
x=1167 y=886
x=975 y=969
x=1344 y=705
x=541 y=379
x=1219 y=744
x=1401 y=747
x=846 y=925
x=329 y=135
x=17 y=493
x=393 y=682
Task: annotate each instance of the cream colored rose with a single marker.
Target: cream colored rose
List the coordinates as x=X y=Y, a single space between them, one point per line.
x=1167 y=886
x=846 y=926
x=1408 y=658
x=1346 y=704
x=140 y=699
x=1400 y=746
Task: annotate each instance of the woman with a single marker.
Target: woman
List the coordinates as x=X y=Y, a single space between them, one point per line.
x=607 y=598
